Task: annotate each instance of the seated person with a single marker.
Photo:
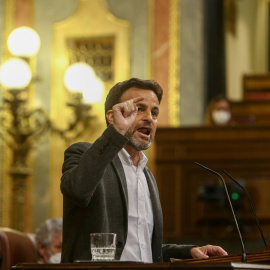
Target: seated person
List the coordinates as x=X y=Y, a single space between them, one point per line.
x=218 y=112
x=49 y=241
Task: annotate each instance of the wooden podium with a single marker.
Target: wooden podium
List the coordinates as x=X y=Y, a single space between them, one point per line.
x=257 y=260
x=220 y=263
x=128 y=266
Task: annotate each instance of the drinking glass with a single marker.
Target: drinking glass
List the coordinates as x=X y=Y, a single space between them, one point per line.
x=103 y=246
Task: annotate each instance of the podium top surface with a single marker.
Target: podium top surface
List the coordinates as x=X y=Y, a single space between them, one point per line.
x=134 y=265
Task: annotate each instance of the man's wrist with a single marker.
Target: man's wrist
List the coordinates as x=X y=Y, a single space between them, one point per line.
x=122 y=131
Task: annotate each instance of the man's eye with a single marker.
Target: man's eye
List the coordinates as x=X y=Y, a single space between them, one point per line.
x=139 y=109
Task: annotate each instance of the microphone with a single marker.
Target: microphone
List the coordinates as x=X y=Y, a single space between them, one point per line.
x=244 y=256
x=251 y=204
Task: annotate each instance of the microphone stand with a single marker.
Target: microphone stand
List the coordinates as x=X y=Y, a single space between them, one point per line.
x=244 y=256
x=251 y=204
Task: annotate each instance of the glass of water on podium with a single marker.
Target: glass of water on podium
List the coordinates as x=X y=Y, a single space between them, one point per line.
x=103 y=246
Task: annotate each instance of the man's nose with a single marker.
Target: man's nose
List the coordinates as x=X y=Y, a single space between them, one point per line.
x=148 y=116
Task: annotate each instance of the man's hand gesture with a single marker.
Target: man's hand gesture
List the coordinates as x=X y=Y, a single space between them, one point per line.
x=123 y=115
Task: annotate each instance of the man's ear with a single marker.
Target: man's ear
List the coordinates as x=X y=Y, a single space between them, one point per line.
x=109 y=116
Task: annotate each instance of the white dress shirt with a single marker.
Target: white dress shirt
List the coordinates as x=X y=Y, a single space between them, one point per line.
x=140 y=213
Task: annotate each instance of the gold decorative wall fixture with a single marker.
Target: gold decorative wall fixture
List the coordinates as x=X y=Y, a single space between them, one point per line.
x=98 y=52
x=23 y=127
x=164 y=33
x=174 y=65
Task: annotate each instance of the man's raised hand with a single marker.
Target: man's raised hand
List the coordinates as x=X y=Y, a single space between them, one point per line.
x=124 y=114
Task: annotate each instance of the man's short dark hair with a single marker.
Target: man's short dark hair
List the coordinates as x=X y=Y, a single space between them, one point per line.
x=114 y=95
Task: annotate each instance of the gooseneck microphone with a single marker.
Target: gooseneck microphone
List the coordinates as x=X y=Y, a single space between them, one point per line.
x=244 y=256
x=251 y=204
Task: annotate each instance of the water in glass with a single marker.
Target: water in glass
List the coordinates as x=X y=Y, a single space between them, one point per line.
x=103 y=253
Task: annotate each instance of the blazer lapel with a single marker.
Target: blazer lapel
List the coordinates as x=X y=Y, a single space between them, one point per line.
x=154 y=198
x=118 y=167
x=158 y=218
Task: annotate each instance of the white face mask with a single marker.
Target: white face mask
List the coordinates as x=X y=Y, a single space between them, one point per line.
x=221 y=117
x=55 y=258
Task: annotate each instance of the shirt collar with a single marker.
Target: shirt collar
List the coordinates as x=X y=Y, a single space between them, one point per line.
x=125 y=158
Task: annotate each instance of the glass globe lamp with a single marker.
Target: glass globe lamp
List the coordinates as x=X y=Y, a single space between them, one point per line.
x=80 y=77
x=23 y=42
x=15 y=74
x=93 y=93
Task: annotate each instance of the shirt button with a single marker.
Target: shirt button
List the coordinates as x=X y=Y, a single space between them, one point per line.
x=141 y=198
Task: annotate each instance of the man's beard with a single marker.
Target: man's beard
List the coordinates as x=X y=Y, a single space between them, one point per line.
x=136 y=144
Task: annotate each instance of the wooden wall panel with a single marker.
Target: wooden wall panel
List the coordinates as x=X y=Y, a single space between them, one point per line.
x=244 y=152
x=251 y=112
x=170 y=204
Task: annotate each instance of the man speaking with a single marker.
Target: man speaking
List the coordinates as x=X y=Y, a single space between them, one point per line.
x=107 y=187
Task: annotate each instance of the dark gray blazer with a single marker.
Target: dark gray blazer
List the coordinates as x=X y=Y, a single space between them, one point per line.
x=96 y=200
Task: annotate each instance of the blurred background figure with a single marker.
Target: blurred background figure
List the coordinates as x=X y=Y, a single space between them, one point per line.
x=49 y=241
x=218 y=112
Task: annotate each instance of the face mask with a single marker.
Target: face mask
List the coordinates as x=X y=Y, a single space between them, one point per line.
x=221 y=117
x=55 y=258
